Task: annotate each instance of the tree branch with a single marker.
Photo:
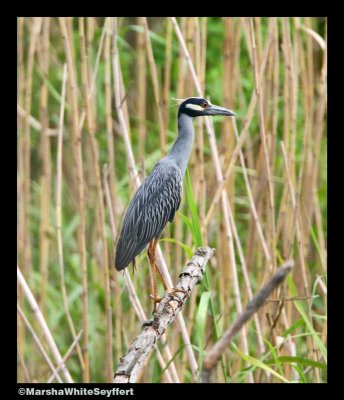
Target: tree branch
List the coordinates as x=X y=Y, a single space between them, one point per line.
x=214 y=354
x=169 y=307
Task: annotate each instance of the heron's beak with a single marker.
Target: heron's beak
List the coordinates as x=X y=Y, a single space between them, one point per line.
x=216 y=110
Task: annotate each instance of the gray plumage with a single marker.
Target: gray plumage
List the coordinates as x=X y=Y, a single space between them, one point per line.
x=153 y=205
x=158 y=198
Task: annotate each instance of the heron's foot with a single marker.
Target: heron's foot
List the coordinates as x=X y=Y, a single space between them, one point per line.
x=172 y=291
x=172 y=294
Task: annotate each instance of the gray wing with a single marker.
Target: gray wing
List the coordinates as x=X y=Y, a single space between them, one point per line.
x=153 y=205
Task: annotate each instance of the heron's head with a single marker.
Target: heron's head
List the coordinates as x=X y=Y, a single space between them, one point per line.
x=198 y=107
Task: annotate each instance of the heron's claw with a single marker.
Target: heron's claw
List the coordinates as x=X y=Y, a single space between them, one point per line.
x=172 y=291
x=172 y=294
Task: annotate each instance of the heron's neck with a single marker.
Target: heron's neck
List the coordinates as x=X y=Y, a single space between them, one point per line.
x=182 y=147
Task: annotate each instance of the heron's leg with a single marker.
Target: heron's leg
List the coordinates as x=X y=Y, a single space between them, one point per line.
x=152 y=261
x=162 y=279
x=154 y=267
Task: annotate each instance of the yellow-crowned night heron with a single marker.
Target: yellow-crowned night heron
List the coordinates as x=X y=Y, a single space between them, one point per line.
x=157 y=199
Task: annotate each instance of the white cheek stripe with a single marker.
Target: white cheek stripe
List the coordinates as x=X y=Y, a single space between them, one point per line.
x=194 y=107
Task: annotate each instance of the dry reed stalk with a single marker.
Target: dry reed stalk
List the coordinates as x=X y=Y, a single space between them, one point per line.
x=167 y=73
x=26 y=146
x=195 y=33
x=226 y=149
x=258 y=83
x=315 y=118
x=219 y=177
x=58 y=215
x=181 y=62
x=274 y=95
x=140 y=104
x=178 y=228
x=114 y=279
x=118 y=105
x=41 y=321
x=78 y=164
x=235 y=280
x=321 y=237
x=190 y=43
x=100 y=205
x=38 y=343
x=66 y=356
x=109 y=121
x=91 y=25
x=302 y=182
x=96 y=67
x=110 y=189
x=246 y=30
x=318 y=134
x=45 y=179
x=155 y=82
x=35 y=124
x=258 y=34
x=297 y=222
x=258 y=227
x=199 y=168
x=254 y=212
x=200 y=137
x=271 y=118
x=289 y=121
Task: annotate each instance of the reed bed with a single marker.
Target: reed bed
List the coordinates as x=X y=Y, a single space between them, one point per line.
x=96 y=111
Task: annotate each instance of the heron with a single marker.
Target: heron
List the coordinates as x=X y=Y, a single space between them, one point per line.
x=158 y=197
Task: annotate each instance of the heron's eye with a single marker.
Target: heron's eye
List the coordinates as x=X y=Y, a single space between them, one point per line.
x=204 y=105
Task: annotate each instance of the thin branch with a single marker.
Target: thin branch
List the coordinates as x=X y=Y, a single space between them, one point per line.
x=40 y=318
x=34 y=123
x=213 y=355
x=171 y=304
x=66 y=356
x=321 y=42
x=39 y=344
x=100 y=206
x=78 y=166
x=155 y=82
x=58 y=215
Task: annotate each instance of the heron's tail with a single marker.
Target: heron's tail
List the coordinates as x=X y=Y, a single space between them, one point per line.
x=122 y=258
x=126 y=251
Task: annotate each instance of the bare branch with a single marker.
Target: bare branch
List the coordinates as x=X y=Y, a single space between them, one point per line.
x=213 y=356
x=171 y=304
x=66 y=356
x=44 y=326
